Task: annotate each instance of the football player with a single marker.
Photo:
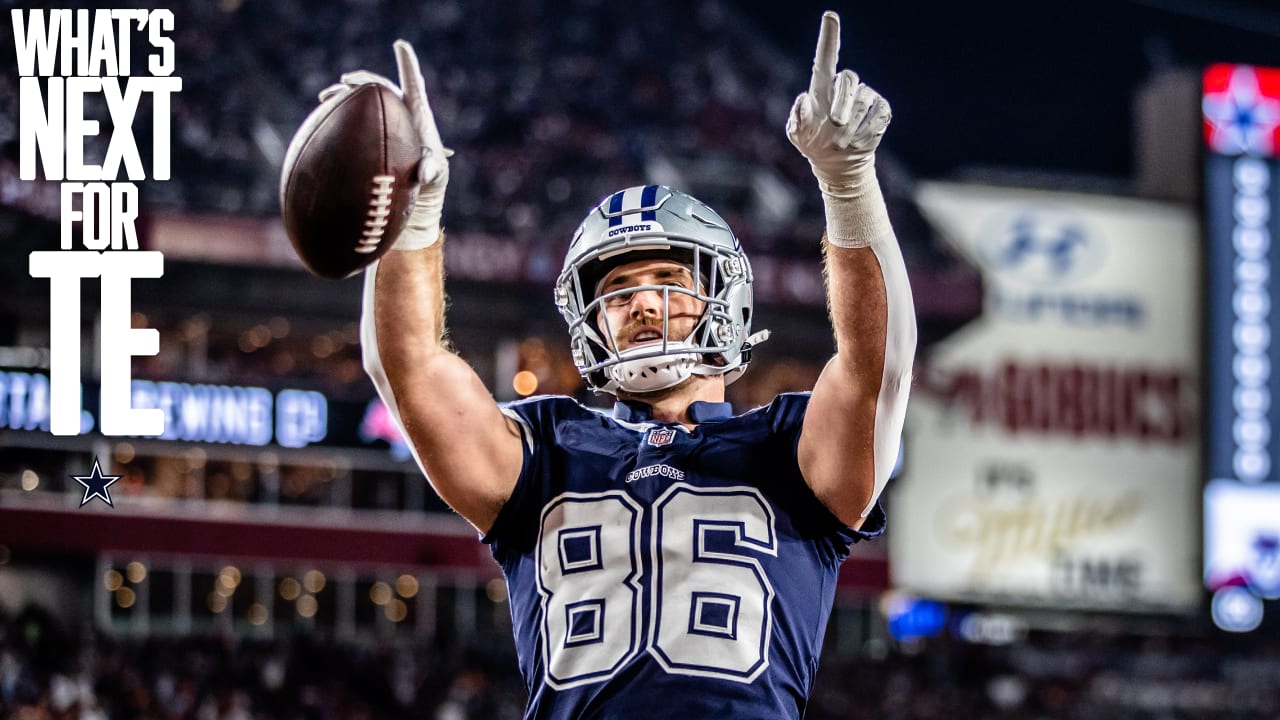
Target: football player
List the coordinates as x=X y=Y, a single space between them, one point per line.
x=669 y=559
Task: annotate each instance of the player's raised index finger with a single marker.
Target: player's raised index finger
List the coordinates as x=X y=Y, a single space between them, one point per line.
x=410 y=73
x=824 y=59
x=415 y=94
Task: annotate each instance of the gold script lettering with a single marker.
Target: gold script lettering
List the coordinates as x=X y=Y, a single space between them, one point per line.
x=1029 y=531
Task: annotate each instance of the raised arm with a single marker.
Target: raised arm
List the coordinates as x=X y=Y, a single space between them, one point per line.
x=469 y=450
x=851 y=435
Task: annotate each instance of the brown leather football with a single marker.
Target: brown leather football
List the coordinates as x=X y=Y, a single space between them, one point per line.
x=349 y=180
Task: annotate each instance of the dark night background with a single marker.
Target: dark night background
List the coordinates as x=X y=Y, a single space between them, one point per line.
x=1023 y=84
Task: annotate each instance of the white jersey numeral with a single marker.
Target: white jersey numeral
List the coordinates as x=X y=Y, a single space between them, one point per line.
x=589 y=578
x=711 y=607
x=715 y=599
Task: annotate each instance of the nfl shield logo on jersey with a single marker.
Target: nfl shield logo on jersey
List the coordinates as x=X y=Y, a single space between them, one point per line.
x=661 y=436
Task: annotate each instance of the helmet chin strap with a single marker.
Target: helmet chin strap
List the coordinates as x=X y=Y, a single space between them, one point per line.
x=648 y=372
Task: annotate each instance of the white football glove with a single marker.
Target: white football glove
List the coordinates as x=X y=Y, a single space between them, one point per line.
x=837 y=125
x=423 y=227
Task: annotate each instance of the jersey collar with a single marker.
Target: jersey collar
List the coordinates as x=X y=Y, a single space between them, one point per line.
x=699 y=411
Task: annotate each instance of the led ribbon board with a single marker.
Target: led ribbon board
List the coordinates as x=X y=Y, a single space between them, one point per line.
x=1241 y=129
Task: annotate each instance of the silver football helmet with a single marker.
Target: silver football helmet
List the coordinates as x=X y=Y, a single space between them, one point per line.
x=654 y=221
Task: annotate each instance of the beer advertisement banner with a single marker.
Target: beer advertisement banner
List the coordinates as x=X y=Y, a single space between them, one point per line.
x=1051 y=444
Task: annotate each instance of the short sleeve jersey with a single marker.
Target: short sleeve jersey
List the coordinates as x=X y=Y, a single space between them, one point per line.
x=656 y=571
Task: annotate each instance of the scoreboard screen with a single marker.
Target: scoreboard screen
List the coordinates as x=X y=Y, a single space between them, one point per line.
x=1241 y=130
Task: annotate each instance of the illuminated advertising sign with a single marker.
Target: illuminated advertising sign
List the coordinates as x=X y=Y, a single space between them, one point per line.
x=1053 y=442
x=1241 y=122
x=225 y=414
x=1241 y=110
x=228 y=414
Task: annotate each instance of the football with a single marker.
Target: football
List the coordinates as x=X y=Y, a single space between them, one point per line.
x=349 y=180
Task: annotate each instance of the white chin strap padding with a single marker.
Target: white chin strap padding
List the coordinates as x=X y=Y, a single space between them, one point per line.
x=655 y=372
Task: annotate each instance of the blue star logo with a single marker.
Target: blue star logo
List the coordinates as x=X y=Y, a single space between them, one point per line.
x=96 y=484
x=1241 y=118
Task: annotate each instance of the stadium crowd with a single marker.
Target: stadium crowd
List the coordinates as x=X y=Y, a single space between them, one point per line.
x=548 y=104
x=49 y=673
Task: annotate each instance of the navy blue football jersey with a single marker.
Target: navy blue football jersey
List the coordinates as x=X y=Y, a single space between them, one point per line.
x=655 y=571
